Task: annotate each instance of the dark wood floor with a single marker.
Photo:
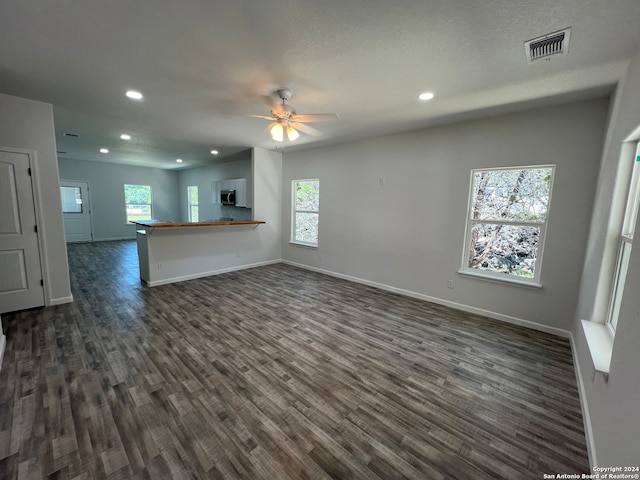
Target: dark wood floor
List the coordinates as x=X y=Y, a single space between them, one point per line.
x=276 y=373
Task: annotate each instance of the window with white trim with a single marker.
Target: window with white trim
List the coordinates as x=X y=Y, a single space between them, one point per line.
x=192 y=203
x=137 y=199
x=305 y=212
x=506 y=222
x=625 y=241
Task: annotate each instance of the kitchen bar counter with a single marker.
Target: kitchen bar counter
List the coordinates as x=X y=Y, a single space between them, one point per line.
x=173 y=252
x=211 y=223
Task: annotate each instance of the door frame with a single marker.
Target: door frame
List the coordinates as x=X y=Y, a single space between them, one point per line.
x=61 y=181
x=32 y=156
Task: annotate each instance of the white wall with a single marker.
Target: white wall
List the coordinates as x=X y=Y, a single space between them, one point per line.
x=106 y=183
x=613 y=408
x=28 y=124
x=266 y=171
x=408 y=233
x=236 y=166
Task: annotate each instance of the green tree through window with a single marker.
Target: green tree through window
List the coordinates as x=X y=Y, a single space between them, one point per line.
x=306 y=212
x=137 y=199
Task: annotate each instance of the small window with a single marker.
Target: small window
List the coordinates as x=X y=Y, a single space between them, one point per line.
x=71 y=199
x=137 y=199
x=192 y=203
x=506 y=223
x=306 y=212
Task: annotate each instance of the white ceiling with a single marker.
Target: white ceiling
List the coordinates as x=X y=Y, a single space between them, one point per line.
x=205 y=65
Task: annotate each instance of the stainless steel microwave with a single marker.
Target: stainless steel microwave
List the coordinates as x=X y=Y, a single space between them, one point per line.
x=228 y=197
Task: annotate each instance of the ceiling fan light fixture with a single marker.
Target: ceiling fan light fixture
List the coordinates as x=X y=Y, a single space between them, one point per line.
x=292 y=134
x=277 y=132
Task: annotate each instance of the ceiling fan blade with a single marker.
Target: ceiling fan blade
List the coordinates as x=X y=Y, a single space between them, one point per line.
x=315 y=117
x=275 y=104
x=306 y=129
x=264 y=117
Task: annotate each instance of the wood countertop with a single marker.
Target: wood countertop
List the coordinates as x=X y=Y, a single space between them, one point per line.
x=214 y=223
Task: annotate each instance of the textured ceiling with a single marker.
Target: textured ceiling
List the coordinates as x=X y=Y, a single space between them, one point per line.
x=205 y=66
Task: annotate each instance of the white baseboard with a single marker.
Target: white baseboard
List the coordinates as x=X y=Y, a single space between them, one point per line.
x=458 y=306
x=586 y=417
x=60 y=301
x=165 y=281
x=111 y=239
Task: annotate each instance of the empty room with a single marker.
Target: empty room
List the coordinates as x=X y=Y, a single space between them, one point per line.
x=313 y=240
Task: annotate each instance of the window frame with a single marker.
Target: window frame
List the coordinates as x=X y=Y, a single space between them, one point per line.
x=77 y=196
x=190 y=205
x=624 y=245
x=465 y=269
x=295 y=211
x=126 y=205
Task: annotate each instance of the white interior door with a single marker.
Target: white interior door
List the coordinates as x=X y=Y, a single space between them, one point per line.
x=20 y=267
x=76 y=211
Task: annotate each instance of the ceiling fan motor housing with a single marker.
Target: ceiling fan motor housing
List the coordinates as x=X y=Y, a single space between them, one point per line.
x=284 y=93
x=283 y=111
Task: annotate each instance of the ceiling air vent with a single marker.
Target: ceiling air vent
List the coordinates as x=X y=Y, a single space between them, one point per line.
x=543 y=48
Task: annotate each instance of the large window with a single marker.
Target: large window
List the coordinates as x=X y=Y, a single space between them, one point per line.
x=137 y=199
x=506 y=223
x=192 y=203
x=306 y=212
x=624 y=246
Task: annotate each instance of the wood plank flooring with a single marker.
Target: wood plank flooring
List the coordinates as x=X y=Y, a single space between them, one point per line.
x=276 y=373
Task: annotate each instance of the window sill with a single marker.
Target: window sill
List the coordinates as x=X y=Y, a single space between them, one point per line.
x=600 y=343
x=303 y=244
x=502 y=281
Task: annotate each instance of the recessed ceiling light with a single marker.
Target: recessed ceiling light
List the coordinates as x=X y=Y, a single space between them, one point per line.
x=214 y=152
x=134 y=94
x=179 y=160
x=425 y=96
x=125 y=136
x=104 y=150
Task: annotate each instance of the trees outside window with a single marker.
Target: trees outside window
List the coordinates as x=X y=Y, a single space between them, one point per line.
x=306 y=212
x=192 y=199
x=137 y=199
x=508 y=210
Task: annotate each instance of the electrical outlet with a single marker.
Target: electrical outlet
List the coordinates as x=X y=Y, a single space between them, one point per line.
x=449 y=283
x=238 y=253
x=381 y=181
x=160 y=265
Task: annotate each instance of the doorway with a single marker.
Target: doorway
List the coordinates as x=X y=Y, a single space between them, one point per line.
x=76 y=211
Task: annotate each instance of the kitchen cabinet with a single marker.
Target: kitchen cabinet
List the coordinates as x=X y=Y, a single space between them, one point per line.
x=241 y=192
x=243 y=198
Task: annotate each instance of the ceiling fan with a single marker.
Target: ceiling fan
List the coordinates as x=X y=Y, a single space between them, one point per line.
x=285 y=118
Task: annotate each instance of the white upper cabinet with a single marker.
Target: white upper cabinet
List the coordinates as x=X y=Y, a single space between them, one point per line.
x=243 y=199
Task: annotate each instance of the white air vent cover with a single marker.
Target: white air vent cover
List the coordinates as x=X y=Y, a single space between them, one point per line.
x=543 y=48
